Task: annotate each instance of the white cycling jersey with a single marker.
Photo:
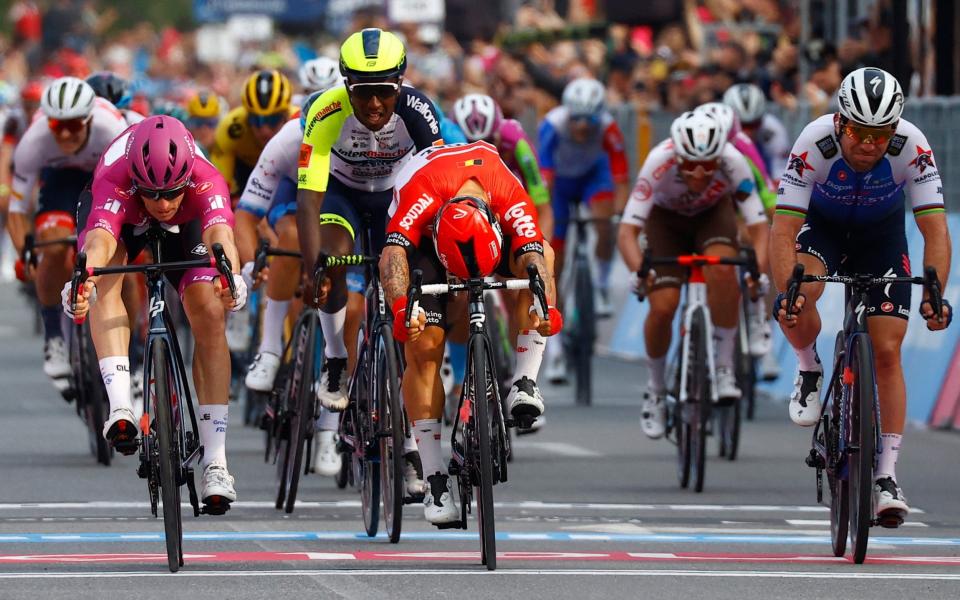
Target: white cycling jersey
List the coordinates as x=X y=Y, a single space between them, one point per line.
x=659 y=183
x=278 y=160
x=773 y=141
x=38 y=150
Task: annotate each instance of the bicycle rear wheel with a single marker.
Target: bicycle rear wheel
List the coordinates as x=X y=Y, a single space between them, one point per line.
x=862 y=444
x=484 y=423
x=585 y=332
x=698 y=378
x=392 y=431
x=169 y=455
x=302 y=417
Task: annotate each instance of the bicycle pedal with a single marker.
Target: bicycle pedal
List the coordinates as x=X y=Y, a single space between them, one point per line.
x=215 y=509
x=413 y=499
x=890 y=520
x=451 y=525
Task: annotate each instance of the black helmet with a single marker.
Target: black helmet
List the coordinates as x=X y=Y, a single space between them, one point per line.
x=112 y=87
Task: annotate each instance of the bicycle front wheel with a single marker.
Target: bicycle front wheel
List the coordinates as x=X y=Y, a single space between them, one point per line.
x=482 y=392
x=585 y=333
x=392 y=431
x=839 y=486
x=862 y=444
x=169 y=455
x=698 y=380
x=302 y=416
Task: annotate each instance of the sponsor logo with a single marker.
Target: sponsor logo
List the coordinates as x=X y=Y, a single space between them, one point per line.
x=323 y=113
x=659 y=171
x=217 y=220
x=122 y=193
x=842 y=175
x=204 y=187
x=156 y=306
x=643 y=190
x=530 y=247
x=235 y=130
x=887 y=307
x=897 y=143
x=517 y=217
x=459 y=213
x=418 y=208
x=923 y=159
x=798 y=163
x=104 y=224
x=903 y=311
x=397 y=239
x=827 y=146
x=306 y=151
x=426 y=111
x=112 y=206
x=301 y=178
x=217 y=202
x=199 y=250
x=927 y=177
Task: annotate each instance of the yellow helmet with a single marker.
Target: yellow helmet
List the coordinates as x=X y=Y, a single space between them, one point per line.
x=204 y=105
x=372 y=54
x=266 y=93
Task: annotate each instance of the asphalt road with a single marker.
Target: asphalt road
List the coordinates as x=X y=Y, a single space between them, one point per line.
x=592 y=509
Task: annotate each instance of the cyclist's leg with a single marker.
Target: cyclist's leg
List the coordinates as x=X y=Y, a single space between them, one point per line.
x=565 y=191
x=599 y=193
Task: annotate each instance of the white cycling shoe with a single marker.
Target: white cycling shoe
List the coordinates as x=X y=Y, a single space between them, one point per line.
x=769 y=367
x=728 y=391
x=56 y=363
x=439 y=507
x=216 y=485
x=889 y=502
x=805 y=401
x=327 y=461
x=761 y=334
x=332 y=387
x=120 y=430
x=653 y=415
x=413 y=474
x=262 y=372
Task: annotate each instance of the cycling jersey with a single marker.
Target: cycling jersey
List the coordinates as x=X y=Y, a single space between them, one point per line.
x=761 y=177
x=132 y=117
x=518 y=154
x=235 y=149
x=560 y=155
x=116 y=203
x=278 y=160
x=660 y=183
x=38 y=150
x=336 y=142
x=818 y=179
x=436 y=174
x=773 y=142
x=14 y=124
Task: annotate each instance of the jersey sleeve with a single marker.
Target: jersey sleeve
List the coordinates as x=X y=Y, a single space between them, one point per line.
x=223 y=154
x=526 y=158
x=262 y=183
x=26 y=168
x=744 y=185
x=211 y=197
x=641 y=199
x=923 y=185
x=323 y=125
x=420 y=117
x=614 y=146
x=796 y=183
x=516 y=212
x=111 y=204
x=547 y=136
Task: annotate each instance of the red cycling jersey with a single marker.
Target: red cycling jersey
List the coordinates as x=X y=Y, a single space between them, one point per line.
x=435 y=175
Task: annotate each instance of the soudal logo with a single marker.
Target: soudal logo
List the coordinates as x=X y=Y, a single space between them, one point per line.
x=425 y=110
x=517 y=217
x=415 y=211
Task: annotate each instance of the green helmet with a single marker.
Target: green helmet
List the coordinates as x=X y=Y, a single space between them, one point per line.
x=373 y=55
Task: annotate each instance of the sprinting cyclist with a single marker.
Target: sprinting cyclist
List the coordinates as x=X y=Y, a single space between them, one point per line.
x=316 y=74
x=115 y=90
x=204 y=109
x=766 y=130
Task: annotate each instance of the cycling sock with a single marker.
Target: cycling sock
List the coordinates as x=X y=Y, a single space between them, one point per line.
x=51 y=321
x=213 y=433
x=115 y=371
x=427 y=434
x=274 y=314
x=555 y=347
x=458 y=360
x=889 y=452
x=328 y=420
x=725 y=338
x=530 y=346
x=603 y=273
x=332 y=325
x=657 y=367
x=808 y=359
x=410 y=443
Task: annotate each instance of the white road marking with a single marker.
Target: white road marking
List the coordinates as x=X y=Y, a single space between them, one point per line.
x=826 y=523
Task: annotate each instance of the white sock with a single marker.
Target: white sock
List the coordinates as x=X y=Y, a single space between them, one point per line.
x=808 y=359
x=889 y=452
x=725 y=338
x=271 y=337
x=410 y=443
x=427 y=434
x=213 y=433
x=530 y=346
x=332 y=326
x=555 y=347
x=658 y=368
x=603 y=273
x=329 y=420
x=115 y=371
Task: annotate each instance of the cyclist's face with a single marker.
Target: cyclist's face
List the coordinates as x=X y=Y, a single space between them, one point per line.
x=162 y=210
x=373 y=104
x=863 y=147
x=264 y=128
x=697 y=175
x=582 y=129
x=70 y=139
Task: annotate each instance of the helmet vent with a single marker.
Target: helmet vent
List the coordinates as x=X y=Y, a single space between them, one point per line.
x=371 y=43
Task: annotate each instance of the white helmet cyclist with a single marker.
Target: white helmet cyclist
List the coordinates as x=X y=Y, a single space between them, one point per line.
x=747 y=100
x=697 y=136
x=68 y=98
x=722 y=113
x=584 y=97
x=478 y=116
x=319 y=74
x=871 y=96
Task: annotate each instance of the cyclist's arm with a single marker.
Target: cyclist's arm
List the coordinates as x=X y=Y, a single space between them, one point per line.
x=100 y=246
x=18 y=226
x=308 y=226
x=936 y=244
x=783 y=253
x=635 y=213
x=394 y=273
x=628 y=243
x=223 y=234
x=613 y=144
x=6 y=159
x=245 y=229
x=538 y=259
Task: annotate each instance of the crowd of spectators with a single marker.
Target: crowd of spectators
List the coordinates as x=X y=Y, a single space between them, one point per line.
x=672 y=66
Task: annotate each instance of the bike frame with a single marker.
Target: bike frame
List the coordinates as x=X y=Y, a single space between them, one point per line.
x=696 y=299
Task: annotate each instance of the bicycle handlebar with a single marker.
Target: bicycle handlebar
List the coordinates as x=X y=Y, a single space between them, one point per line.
x=324 y=262
x=263 y=251
x=747 y=259
x=29 y=257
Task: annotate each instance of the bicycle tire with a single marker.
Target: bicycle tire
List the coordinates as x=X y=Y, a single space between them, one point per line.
x=498 y=330
x=365 y=457
x=392 y=431
x=286 y=403
x=168 y=457
x=839 y=488
x=682 y=428
x=93 y=395
x=862 y=430
x=586 y=332
x=303 y=417
x=485 y=477
x=701 y=401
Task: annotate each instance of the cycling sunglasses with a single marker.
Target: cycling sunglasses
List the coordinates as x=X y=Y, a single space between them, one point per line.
x=198 y=122
x=71 y=125
x=588 y=119
x=868 y=135
x=697 y=168
x=267 y=120
x=157 y=195
x=366 y=91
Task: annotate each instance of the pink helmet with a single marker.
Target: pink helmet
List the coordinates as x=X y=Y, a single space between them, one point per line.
x=478 y=116
x=160 y=153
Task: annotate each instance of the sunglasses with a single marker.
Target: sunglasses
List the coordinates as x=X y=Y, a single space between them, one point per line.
x=588 y=119
x=157 y=195
x=198 y=122
x=697 y=168
x=267 y=120
x=868 y=135
x=366 y=91
x=70 y=125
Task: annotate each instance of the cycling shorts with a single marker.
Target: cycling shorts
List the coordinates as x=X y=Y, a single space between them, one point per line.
x=670 y=233
x=880 y=249
x=595 y=185
x=60 y=191
x=284 y=201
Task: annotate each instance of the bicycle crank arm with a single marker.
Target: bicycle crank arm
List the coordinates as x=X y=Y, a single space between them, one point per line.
x=192 y=489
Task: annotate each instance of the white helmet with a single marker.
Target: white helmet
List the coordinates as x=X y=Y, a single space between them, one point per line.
x=319 y=74
x=747 y=100
x=722 y=113
x=697 y=136
x=870 y=96
x=478 y=116
x=68 y=98
x=584 y=97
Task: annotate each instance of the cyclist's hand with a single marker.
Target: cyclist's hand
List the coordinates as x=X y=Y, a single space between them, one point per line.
x=757 y=288
x=642 y=288
x=229 y=302
x=934 y=324
x=780 y=310
x=322 y=293
x=403 y=330
x=549 y=326
x=86 y=297
x=22 y=271
x=247 y=273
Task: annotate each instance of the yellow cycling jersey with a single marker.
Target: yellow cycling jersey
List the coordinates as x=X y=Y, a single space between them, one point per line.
x=235 y=142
